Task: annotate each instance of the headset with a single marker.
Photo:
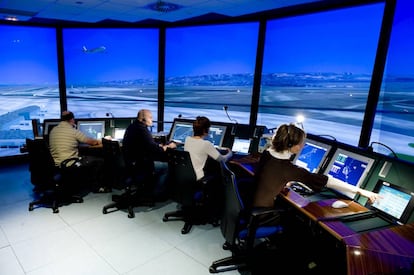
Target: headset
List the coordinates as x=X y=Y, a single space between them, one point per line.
x=289 y=142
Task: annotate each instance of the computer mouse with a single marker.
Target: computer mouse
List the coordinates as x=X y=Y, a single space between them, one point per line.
x=339 y=204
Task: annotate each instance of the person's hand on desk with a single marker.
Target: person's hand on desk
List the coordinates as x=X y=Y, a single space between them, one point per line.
x=171 y=145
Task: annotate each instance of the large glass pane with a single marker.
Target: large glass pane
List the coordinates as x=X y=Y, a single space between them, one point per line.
x=320 y=66
x=209 y=67
x=111 y=72
x=394 y=120
x=28 y=82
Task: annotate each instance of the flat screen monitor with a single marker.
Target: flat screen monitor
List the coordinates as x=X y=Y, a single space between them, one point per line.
x=394 y=202
x=241 y=146
x=350 y=168
x=119 y=133
x=48 y=126
x=92 y=129
x=180 y=130
x=313 y=155
x=216 y=134
x=265 y=142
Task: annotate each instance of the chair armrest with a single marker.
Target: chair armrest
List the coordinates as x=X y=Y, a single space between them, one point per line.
x=263 y=217
x=71 y=162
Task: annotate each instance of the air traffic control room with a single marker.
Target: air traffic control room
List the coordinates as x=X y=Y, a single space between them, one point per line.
x=340 y=70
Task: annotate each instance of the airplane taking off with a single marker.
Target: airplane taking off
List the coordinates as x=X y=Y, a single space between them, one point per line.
x=94 y=50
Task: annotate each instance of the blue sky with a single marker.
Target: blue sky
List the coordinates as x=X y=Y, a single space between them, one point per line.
x=335 y=41
x=130 y=54
x=322 y=42
x=28 y=55
x=213 y=49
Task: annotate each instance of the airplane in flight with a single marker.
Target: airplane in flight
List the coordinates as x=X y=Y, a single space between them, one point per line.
x=94 y=50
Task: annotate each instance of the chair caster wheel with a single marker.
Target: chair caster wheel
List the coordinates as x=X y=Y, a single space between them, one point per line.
x=186 y=229
x=31 y=207
x=104 y=211
x=55 y=210
x=164 y=219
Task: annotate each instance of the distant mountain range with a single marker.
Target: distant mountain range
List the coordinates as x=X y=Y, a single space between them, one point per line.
x=238 y=79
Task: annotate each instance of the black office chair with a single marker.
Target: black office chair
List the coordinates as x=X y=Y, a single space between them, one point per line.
x=114 y=164
x=190 y=194
x=136 y=182
x=50 y=184
x=242 y=229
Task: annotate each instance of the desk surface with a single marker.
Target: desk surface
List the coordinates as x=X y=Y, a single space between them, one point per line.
x=383 y=251
x=322 y=209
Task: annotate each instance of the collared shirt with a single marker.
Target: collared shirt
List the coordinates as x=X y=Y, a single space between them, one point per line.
x=64 y=140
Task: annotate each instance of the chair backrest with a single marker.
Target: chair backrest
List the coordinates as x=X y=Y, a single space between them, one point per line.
x=233 y=206
x=41 y=164
x=182 y=176
x=114 y=164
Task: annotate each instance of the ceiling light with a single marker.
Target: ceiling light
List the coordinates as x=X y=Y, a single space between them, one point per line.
x=162 y=6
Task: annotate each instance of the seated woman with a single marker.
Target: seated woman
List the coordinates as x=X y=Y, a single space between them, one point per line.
x=200 y=151
x=275 y=170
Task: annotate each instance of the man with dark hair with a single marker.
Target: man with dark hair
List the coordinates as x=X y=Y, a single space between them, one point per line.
x=144 y=154
x=64 y=140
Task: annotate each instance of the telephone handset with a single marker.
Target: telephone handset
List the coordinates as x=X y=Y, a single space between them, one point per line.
x=300 y=187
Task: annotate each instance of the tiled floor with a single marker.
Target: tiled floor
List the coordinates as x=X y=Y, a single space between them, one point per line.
x=80 y=239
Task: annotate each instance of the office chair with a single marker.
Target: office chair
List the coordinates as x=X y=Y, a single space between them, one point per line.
x=51 y=185
x=190 y=194
x=114 y=164
x=242 y=229
x=137 y=183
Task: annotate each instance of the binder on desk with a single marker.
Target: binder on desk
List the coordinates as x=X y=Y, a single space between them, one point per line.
x=394 y=207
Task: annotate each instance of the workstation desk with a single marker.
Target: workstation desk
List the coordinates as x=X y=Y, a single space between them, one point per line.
x=379 y=251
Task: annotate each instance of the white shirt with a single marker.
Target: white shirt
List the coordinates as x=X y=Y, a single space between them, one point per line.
x=200 y=150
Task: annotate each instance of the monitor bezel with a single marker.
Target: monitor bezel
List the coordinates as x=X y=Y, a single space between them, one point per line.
x=250 y=141
x=118 y=129
x=101 y=122
x=223 y=128
x=408 y=209
x=174 y=128
x=324 y=159
x=363 y=178
x=46 y=126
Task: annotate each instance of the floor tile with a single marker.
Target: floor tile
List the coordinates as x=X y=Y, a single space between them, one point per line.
x=9 y=263
x=80 y=239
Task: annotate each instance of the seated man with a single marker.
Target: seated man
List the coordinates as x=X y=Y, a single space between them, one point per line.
x=142 y=152
x=64 y=140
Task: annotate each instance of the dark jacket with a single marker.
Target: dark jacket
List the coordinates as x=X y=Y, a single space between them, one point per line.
x=140 y=148
x=272 y=174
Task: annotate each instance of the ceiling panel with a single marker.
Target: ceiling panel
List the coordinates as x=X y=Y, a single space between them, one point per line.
x=92 y=11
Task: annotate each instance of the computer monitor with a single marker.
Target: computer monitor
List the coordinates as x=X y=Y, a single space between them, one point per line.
x=395 y=202
x=216 y=134
x=119 y=133
x=241 y=146
x=313 y=155
x=265 y=142
x=48 y=126
x=180 y=130
x=93 y=128
x=350 y=168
